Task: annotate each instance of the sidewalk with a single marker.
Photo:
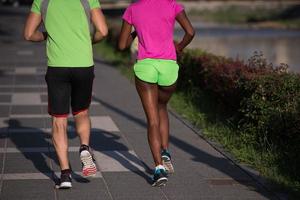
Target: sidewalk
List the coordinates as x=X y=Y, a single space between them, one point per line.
x=29 y=166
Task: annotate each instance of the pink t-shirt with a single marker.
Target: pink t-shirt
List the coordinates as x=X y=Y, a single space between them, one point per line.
x=154 y=22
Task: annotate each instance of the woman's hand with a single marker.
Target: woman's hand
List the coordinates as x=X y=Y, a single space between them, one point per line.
x=126 y=36
x=186 y=25
x=178 y=48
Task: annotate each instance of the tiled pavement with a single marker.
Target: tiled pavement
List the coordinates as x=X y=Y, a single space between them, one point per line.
x=29 y=166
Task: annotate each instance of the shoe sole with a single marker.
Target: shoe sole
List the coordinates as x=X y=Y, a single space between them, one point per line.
x=64 y=185
x=168 y=165
x=90 y=171
x=160 y=182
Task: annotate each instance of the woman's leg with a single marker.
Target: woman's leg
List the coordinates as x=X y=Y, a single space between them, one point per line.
x=164 y=95
x=149 y=97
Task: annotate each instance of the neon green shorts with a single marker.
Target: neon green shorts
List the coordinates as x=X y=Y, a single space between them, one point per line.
x=162 y=72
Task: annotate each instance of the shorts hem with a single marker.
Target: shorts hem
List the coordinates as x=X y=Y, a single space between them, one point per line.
x=59 y=115
x=167 y=85
x=144 y=80
x=80 y=111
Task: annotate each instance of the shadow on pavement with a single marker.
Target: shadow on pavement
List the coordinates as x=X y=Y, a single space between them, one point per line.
x=108 y=144
x=28 y=138
x=221 y=164
x=128 y=116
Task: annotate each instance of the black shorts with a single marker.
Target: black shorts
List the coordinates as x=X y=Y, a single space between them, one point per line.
x=69 y=86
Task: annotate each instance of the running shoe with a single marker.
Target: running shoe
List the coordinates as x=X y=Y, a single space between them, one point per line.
x=159 y=177
x=89 y=168
x=65 y=181
x=167 y=162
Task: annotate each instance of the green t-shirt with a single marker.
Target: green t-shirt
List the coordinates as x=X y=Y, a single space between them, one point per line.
x=69 y=42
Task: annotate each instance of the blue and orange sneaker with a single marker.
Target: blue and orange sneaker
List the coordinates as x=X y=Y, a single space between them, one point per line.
x=159 y=177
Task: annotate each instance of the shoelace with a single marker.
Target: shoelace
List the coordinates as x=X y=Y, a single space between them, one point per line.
x=88 y=161
x=65 y=177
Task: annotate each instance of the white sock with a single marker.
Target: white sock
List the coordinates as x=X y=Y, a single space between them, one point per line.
x=159 y=167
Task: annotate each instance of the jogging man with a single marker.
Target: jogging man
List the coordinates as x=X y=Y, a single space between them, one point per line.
x=70 y=71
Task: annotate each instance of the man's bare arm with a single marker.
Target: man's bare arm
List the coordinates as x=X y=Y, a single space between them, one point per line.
x=31 y=32
x=99 y=22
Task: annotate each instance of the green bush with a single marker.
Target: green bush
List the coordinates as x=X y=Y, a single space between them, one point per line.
x=261 y=102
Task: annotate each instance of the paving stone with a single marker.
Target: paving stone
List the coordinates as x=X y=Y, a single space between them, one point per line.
x=29 y=124
x=26 y=99
x=1 y=159
x=28 y=190
x=104 y=123
x=190 y=187
x=44 y=98
x=107 y=141
x=3 y=136
x=4 y=111
x=4 y=123
x=74 y=161
x=27 y=163
x=118 y=161
x=6 y=80
x=26 y=80
x=97 y=110
x=5 y=98
x=241 y=192
x=23 y=109
x=89 y=189
x=38 y=88
x=25 y=70
x=29 y=139
x=137 y=186
x=5 y=89
x=101 y=123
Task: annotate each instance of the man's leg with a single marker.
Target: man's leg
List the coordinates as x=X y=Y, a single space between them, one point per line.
x=59 y=91
x=83 y=127
x=60 y=140
x=82 y=84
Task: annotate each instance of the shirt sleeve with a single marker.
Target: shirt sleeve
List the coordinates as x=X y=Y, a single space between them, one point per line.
x=178 y=8
x=127 y=16
x=94 y=4
x=36 y=6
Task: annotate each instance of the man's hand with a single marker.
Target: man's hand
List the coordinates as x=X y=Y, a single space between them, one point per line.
x=99 y=22
x=31 y=32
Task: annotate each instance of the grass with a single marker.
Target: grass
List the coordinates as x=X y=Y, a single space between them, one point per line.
x=202 y=116
x=229 y=138
x=120 y=60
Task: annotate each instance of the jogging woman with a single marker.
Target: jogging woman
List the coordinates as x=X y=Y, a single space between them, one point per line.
x=156 y=70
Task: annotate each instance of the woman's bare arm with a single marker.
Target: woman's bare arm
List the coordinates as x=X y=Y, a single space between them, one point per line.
x=99 y=22
x=126 y=37
x=185 y=23
x=31 y=32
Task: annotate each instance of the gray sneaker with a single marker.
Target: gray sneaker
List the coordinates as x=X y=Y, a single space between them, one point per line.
x=167 y=162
